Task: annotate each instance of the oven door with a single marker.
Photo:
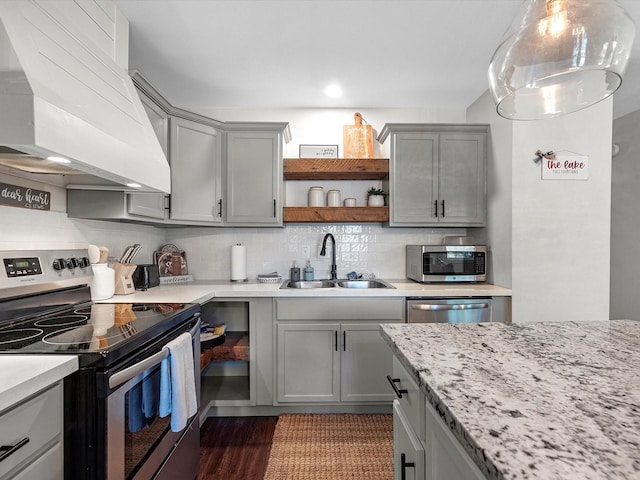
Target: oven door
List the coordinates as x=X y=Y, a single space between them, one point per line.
x=137 y=447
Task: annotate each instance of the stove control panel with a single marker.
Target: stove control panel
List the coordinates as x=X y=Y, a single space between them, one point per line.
x=29 y=271
x=21 y=267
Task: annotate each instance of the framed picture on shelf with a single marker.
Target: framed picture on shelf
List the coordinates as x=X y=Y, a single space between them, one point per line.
x=318 y=151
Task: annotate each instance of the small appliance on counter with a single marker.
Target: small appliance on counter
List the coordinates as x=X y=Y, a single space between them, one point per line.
x=446 y=263
x=146 y=276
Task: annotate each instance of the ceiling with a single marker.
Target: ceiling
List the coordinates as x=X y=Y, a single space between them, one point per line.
x=283 y=53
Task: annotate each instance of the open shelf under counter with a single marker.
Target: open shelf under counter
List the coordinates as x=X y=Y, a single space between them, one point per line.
x=336 y=214
x=336 y=168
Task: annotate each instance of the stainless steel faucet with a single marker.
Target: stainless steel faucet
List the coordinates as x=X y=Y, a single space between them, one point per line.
x=323 y=252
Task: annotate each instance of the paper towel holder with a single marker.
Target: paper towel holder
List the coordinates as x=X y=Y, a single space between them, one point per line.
x=238 y=263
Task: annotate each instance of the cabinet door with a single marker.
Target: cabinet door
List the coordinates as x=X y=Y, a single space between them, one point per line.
x=195 y=172
x=413 y=179
x=366 y=361
x=254 y=178
x=308 y=362
x=408 y=453
x=444 y=456
x=461 y=178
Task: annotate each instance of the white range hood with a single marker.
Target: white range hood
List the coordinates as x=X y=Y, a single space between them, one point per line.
x=63 y=95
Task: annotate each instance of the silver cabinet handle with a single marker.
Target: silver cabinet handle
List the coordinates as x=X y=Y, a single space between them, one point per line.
x=457 y=306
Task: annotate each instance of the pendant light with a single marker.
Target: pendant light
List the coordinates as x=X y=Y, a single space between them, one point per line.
x=560 y=56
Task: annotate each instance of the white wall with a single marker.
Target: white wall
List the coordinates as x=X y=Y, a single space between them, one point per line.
x=560 y=228
x=625 y=218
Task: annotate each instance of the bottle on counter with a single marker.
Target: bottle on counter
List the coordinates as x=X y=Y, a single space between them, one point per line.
x=308 y=272
x=294 y=272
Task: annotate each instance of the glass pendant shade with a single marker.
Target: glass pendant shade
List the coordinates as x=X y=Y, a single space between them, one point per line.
x=560 y=56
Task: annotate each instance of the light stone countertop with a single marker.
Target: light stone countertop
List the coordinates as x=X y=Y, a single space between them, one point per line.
x=542 y=400
x=202 y=291
x=24 y=375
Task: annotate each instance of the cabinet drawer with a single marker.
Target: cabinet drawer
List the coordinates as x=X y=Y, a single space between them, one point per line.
x=47 y=466
x=38 y=419
x=340 y=309
x=412 y=401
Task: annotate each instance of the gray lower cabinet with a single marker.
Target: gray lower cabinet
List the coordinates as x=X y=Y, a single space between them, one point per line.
x=437 y=174
x=34 y=426
x=423 y=446
x=331 y=351
x=254 y=178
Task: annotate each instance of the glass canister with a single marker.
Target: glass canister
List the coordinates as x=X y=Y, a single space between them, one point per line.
x=333 y=198
x=315 y=197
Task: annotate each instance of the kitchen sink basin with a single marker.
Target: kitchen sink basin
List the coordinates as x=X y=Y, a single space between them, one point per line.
x=337 y=283
x=363 y=284
x=309 y=284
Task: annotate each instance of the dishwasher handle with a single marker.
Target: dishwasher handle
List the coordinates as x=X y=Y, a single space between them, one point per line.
x=448 y=306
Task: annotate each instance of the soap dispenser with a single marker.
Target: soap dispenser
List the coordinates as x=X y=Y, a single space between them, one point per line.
x=308 y=272
x=294 y=272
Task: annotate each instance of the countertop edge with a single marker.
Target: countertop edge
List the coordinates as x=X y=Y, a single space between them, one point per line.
x=26 y=375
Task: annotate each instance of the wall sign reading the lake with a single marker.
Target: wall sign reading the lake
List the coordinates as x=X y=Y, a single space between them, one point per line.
x=565 y=167
x=22 y=197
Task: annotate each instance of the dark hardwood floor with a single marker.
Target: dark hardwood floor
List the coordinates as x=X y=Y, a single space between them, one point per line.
x=235 y=448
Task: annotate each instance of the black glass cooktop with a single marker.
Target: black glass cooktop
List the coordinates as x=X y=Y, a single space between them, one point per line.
x=98 y=329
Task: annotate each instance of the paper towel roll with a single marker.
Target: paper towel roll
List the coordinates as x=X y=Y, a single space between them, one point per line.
x=238 y=263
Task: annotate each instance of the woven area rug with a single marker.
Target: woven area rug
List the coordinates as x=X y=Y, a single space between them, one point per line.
x=332 y=447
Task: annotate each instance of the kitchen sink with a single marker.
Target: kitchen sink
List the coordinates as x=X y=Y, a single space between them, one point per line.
x=309 y=284
x=364 y=284
x=337 y=283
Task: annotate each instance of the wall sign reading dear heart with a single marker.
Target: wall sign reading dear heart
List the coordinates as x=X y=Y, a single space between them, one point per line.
x=22 y=197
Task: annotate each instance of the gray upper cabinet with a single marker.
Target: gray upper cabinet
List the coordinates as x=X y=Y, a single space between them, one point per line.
x=437 y=174
x=196 y=172
x=254 y=178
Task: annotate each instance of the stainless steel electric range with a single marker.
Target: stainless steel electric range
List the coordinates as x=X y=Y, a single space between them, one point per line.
x=46 y=308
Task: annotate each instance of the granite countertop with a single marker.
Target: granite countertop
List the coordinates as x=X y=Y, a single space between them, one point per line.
x=24 y=375
x=202 y=291
x=533 y=401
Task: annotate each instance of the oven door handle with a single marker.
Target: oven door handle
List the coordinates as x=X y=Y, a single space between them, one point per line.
x=128 y=373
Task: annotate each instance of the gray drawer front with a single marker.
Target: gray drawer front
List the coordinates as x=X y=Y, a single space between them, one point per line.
x=364 y=308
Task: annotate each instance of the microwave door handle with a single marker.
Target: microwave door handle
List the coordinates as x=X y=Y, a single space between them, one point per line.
x=459 y=306
x=128 y=373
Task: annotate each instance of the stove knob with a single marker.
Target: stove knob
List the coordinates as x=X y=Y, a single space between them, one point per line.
x=84 y=262
x=58 y=264
x=71 y=263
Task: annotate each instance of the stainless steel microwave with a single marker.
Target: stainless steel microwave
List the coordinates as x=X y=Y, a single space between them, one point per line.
x=447 y=263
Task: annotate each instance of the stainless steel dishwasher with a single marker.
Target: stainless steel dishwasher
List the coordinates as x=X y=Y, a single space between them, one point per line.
x=448 y=310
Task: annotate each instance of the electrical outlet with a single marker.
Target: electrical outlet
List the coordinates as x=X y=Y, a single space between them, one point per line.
x=306 y=252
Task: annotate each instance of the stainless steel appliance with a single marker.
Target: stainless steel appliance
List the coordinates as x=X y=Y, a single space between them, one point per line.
x=448 y=310
x=45 y=309
x=446 y=263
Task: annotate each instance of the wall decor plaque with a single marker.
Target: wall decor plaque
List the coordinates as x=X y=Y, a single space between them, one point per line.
x=23 y=197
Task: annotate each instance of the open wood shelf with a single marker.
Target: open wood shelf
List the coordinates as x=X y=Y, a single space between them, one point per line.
x=336 y=214
x=336 y=168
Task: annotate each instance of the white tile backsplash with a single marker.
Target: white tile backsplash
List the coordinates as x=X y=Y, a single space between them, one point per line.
x=359 y=247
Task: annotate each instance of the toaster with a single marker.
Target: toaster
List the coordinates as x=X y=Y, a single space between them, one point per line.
x=146 y=276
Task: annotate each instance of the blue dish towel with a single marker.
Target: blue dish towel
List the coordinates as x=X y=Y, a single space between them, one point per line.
x=177 y=383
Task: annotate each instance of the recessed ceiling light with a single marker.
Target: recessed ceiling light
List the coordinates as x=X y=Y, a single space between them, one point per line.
x=134 y=185
x=59 y=159
x=333 y=91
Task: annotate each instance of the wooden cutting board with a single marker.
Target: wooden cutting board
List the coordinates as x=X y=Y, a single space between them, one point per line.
x=357 y=139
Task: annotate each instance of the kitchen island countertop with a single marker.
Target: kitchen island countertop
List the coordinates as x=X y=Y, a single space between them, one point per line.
x=24 y=375
x=541 y=400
